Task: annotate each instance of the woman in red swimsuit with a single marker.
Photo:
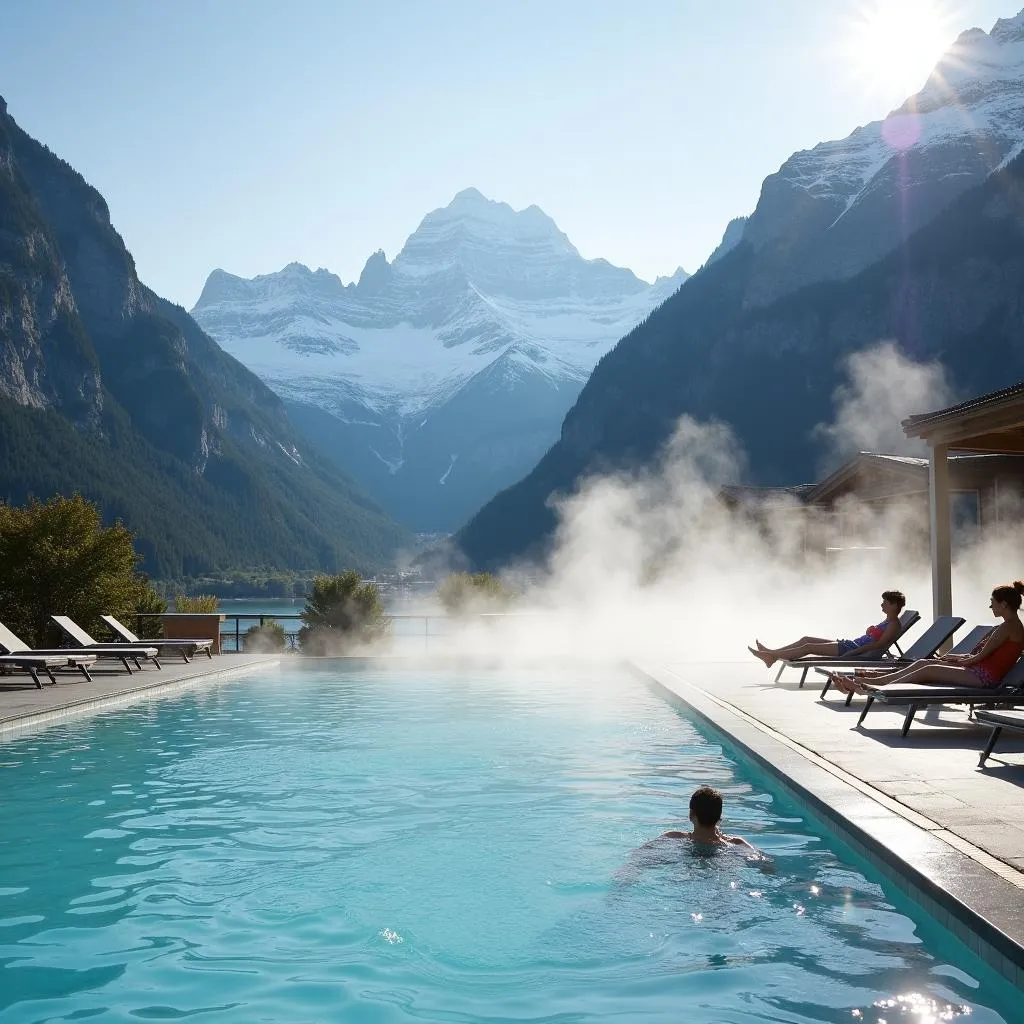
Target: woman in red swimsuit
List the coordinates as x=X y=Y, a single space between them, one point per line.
x=985 y=668
x=875 y=641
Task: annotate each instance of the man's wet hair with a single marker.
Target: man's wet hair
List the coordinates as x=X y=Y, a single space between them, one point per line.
x=706 y=806
x=894 y=597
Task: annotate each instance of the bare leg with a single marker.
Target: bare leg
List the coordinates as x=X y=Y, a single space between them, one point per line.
x=929 y=673
x=808 y=645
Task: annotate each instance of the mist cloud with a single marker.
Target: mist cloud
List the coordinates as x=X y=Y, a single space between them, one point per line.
x=654 y=564
x=884 y=387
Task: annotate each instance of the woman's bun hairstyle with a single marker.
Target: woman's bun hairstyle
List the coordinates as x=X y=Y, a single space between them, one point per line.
x=1010 y=594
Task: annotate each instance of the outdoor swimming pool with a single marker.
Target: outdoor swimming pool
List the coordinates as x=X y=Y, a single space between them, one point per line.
x=319 y=846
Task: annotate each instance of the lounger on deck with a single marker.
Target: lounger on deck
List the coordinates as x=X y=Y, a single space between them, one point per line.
x=922 y=648
x=145 y=652
x=999 y=720
x=184 y=647
x=914 y=697
x=15 y=647
x=33 y=664
x=907 y=619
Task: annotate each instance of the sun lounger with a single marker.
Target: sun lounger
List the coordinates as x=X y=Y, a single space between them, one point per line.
x=33 y=664
x=907 y=619
x=12 y=645
x=924 y=647
x=999 y=720
x=914 y=697
x=184 y=647
x=120 y=651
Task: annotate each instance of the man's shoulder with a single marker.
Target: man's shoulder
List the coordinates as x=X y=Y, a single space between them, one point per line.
x=674 y=834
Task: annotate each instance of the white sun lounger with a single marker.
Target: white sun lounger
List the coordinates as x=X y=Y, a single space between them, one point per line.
x=184 y=647
x=33 y=664
x=120 y=651
x=15 y=647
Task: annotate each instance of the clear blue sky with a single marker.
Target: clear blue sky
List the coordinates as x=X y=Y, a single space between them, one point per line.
x=245 y=134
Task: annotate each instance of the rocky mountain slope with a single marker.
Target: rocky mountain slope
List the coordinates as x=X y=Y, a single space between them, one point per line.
x=909 y=230
x=107 y=389
x=441 y=377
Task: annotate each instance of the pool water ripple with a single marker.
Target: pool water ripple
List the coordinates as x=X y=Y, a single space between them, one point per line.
x=434 y=847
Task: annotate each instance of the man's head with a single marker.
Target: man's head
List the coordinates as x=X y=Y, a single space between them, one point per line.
x=706 y=807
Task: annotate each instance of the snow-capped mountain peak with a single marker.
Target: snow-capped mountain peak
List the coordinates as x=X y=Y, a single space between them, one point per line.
x=1009 y=30
x=482 y=300
x=896 y=173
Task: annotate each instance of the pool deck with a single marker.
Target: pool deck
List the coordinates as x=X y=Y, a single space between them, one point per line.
x=23 y=707
x=919 y=806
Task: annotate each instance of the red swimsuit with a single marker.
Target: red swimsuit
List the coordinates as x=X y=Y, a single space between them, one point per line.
x=991 y=669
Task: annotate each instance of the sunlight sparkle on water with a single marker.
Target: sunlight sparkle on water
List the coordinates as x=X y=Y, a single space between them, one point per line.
x=915 y=1007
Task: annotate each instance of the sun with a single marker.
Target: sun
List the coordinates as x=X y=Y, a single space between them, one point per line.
x=893 y=45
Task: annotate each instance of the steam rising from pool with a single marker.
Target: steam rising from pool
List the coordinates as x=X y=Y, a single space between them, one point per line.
x=653 y=563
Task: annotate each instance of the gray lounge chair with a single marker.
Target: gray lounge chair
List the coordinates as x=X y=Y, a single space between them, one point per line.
x=33 y=664
x=999 y=720
x=184 y=647
x=923 y=647
x=907 y=619
x=15 y=647
x=914 y=697
x=122 y=652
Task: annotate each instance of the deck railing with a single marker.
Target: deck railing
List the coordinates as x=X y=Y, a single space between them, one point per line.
x=410 y=628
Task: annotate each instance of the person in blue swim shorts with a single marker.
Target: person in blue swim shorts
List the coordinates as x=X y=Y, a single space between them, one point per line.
x=874 y=640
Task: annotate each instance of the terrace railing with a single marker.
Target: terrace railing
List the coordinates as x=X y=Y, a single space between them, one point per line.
x=414 y=631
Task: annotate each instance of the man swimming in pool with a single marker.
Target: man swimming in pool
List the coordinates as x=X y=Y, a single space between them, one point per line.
x=705 y=814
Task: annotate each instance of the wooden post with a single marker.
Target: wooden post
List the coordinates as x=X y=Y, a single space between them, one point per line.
x=938 y=495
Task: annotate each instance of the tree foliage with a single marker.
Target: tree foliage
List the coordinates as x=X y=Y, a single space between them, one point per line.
x=150 y=603
x=265 y=639
x=463 y=592
x=341 y=611
x=59 y=559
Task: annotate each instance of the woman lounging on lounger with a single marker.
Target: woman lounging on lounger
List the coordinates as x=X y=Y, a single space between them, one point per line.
x=875 y=640
x=984 y=669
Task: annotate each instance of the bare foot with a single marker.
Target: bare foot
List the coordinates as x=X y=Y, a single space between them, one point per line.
x=842 y=683
x=763 y=655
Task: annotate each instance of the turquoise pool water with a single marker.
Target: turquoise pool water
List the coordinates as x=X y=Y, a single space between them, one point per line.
x=381 y=847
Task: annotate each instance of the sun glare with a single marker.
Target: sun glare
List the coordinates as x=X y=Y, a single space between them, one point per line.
x=894 y=44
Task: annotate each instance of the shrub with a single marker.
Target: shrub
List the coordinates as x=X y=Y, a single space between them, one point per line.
x=149 y=603
x=58 y=558
x=463 y=593
x=341 y=611
x=265 y=639
x=199 y=604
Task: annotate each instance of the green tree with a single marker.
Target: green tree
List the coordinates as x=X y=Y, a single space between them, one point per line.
x=341 y=611
x=149 y=603
x=462 y=593
x=57 y=558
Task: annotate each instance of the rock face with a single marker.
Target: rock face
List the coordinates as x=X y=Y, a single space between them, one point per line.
x=831 y=211
x=108 y=389
x=441 y=377
x=909 y=230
